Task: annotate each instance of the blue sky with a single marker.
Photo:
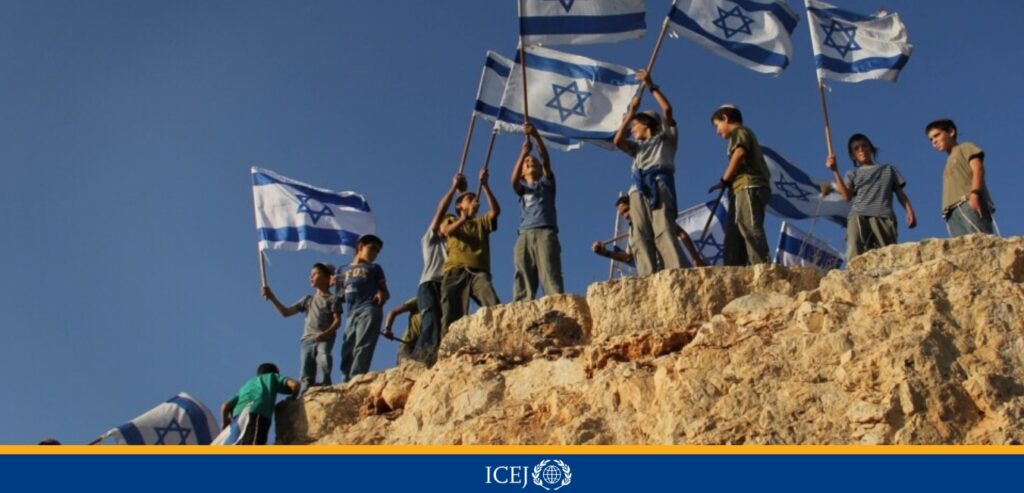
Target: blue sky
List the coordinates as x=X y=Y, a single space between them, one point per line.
x=129 y=128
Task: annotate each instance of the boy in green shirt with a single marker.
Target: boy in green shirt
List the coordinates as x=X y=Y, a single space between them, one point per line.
x=467 y=270
x=259 y=397
x=748 y=178
x=967 y=206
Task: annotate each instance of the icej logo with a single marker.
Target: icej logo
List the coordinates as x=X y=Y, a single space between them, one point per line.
x=549 y=474
x=552 y=474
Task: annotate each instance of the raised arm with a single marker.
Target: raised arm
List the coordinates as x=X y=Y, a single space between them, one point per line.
x=659 y=97
x=492 y=203
x=285 y=311
x=831 y=164
x=620 y=139
x=542 y=150
x=517 y=170
x=458 y=181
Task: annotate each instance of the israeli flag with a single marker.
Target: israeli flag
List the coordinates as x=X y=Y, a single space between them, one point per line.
x=291 y=215
x=233 y=433
x=554 y=22
x=796 y=196
x=488 y=99
x=799 y=248
x=571 y=96
x=851 y=47
x=752 y=33
x=182 y=420
x=693 y=219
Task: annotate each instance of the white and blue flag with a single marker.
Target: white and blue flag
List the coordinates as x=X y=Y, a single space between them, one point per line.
x=692 y=221
x=752 y=33
x=796 y=196
x=571 y=96
x=232 y=434
x=488 y=99
x=554 y=22
x=182 y=420
x=291 y=215
x=851 y=47
x=799 y=248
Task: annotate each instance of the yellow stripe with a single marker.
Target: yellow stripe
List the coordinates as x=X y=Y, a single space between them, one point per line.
x=517 y=450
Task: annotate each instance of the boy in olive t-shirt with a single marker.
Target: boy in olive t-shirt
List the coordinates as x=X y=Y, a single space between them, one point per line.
x=467 y=270
x=748 y=178
x=967 y=206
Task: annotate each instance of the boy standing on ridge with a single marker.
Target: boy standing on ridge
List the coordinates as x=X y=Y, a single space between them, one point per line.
x=259 y=394
x=467 y=271
x=537 y=253
x=428 y=295
x=323 y=317
x=365 y=289
x=652 y=196
x=748 y=179
x=967 y=206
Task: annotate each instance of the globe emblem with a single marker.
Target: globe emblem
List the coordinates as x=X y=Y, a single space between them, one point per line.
x=551 y=474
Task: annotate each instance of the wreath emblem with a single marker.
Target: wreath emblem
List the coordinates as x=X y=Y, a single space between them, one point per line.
x=542 y=475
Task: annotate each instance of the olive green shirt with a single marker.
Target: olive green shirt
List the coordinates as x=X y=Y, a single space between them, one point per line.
x=470 y=245
x=957 y=177
x=752 y=171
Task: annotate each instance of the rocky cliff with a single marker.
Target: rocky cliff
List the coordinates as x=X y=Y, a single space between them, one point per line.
x=918 y=343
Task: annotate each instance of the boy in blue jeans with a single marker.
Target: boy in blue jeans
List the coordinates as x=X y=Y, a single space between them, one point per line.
x=365 y=290
x=259 y=394
x=537 y=255
x=323 y=317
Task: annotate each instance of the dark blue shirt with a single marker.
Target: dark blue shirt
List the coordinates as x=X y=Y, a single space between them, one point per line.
x=537 y=204
x=357 y=283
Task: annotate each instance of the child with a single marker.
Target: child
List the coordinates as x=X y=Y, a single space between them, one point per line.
x=652 y=197
x=428 y=295
x=323 y=317
x=537 y=252
x=627 y=257
x=871 y=223
x=365 y=289
x=748 y=180
x=408 y=343
x=467 y=271
x=967 y=206
x=259 y=394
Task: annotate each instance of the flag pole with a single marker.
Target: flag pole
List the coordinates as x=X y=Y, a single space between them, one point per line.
x=522 y=63
x=469 y=138
x=263 y=269
x=824 y=111
x=487 y=160
x=611 y=261
x=718 y=201
x=657 y=45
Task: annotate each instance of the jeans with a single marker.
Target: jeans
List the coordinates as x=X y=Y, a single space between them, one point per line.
x=963 y=220
x=457 y=287
x=428 y=301
x=745 y=243
x=538 y=259
x=360 y=340
x=315 y=361
x=653 y=232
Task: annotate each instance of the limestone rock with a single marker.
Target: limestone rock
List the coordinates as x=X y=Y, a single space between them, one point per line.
x=917 y=343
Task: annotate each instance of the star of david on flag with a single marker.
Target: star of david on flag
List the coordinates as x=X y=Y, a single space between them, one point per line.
x=574 y=97
x=181 y=420
x=752 y=33
x=693 y=219
x=796 y=196
x=488 y=100
x=797 y=247
x=851 y=47
x=291 y=215
x=554 y=22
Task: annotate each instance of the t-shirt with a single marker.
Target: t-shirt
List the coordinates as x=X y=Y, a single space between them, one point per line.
x=470 y=246
x=262 y=392
x=320 y=311
x=537 y=204
x=657 y=152
x=872 y=187
x=358 y=283
x=412 y=332
x=752 y=171
x=956 y=179
x=434 y=254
